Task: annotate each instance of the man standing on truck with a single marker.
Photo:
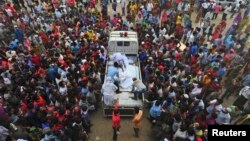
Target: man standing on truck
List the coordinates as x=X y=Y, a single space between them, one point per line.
x=113 y=72
x=138 y=88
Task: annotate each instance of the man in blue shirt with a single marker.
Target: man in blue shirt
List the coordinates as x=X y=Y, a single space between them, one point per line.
x=194 y=48
x=155 y=111
x=221 y=71
x=114 y=72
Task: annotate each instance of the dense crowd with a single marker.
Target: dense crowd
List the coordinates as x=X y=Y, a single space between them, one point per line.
x=53 y=55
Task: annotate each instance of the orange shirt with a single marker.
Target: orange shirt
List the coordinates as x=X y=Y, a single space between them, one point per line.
x=206 y=80
x=137 y=119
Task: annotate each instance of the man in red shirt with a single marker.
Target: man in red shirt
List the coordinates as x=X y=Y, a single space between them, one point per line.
x=116 y=120
x=217 y=10
x=36 y=59
x=9 y=9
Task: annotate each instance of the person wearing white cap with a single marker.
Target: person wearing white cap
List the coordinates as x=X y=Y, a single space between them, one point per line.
x=165 y=139
x=186 y=96
x=108 y=91
x=224 y=117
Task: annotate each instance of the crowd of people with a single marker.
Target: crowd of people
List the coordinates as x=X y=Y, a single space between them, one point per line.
x=53 y=55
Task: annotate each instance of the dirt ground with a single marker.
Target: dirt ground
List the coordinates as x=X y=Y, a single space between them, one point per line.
x=102 y=128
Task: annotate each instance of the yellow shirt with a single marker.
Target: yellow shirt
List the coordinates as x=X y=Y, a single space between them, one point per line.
x=206 y=80
x=179 y=20
x=137 y=119
x=133 y=8
x=91 y=35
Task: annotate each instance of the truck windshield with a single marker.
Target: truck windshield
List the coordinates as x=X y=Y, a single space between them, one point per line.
x=123 y=43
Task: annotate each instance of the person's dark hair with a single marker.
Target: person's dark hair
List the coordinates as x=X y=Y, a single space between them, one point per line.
x=183 y=127
x=116 y=64
x=200 y=85
x=219 y=101
x=190 y=131
x=173 y=79
x=203 y=116
x=179 y=139
x=84 y=108
x=158 y=103
x=61 y=84
x=214 y=115
x=136 y=110
x=116 y=112
x=199 y=97
x=57 y=75
x=177 y=117
x=134 y=79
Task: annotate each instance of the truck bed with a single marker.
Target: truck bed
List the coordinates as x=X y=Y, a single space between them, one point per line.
x=126 y=103
x=125 y=100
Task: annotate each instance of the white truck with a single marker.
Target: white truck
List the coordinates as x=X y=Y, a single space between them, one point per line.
x=125 y=43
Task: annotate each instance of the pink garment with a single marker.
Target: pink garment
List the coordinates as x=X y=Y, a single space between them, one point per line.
x=27 y=43
x=56 y=4
x=92 y=3
x=177 y=1
x=164 y=16
x=217 y=8
x=139 y=14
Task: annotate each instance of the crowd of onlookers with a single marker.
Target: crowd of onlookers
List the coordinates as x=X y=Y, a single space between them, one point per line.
x=53 y=55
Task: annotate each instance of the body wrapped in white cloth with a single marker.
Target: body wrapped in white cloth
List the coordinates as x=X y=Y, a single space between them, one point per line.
x=108 y=91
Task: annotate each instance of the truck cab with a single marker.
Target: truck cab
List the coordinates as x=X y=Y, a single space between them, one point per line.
x=125 y=43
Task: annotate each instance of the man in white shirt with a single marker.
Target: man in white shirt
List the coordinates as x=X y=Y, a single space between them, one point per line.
x=138 y=88
x=149 y=7
x=224 y=118
x=236 y=9
x=205 y=6
x=123 y=5
x=58 y=14
x=226 y=11
x=244 y=96
x=180 y=6
x=201 y=104
x=9 y=13
x=38 y=8
x=186 y=8
x=214 y=106
x=195 y=91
